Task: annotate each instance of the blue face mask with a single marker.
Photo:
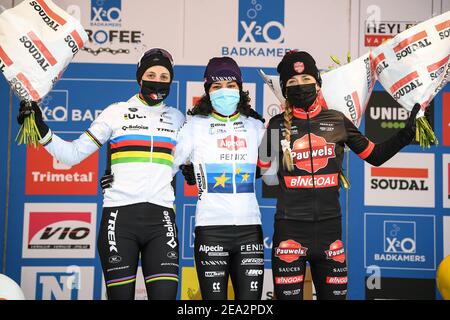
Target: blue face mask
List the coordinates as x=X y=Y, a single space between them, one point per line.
x=225 y=101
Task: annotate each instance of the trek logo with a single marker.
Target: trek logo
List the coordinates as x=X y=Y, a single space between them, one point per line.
x=171 y=232
x=232 y=143
x=53 y=20
x=290 y=251
x=406 y=85
x=112 y=231
x=50 y=232
x=289 y=280
x=443 y=29
x=105 y=13
x=261 y=21
x=337 y=280
x=377 y=32
x=38 y=51
x=321 y=152
x=336 y=252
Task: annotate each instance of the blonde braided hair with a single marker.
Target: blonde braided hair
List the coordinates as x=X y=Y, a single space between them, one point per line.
x=287 y=155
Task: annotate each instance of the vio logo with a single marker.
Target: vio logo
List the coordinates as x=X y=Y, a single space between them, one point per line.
x=261 y=21
x=400 y=237
x=106 y=11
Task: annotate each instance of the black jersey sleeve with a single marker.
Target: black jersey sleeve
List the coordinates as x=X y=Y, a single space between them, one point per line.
x=376 y=153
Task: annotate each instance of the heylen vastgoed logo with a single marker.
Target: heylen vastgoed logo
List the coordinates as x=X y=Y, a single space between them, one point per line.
x=59 y=230
x=407 y=180
x=400 y=241
x=377 y=32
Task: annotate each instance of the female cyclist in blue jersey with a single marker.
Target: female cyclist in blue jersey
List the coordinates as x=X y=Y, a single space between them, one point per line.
x=138 y=217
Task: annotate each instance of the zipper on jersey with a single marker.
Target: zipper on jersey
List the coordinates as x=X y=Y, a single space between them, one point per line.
x=233 y=176
x=308 y=121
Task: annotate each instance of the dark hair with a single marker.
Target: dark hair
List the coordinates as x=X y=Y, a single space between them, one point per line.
x=204 y=107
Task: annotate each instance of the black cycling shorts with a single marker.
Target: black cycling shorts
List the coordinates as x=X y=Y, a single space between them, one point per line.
x=296 y=242
x=146 y=230
x=235 y=251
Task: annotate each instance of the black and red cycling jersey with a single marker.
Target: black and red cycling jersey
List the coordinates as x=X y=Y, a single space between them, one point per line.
x=311 y=191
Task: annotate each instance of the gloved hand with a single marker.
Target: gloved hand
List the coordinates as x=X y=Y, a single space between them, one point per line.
x=188 y=172
x=25 y=110
x=408 y=132
x=107 y=180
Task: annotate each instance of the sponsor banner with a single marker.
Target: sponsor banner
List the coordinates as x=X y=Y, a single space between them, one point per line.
x=289 y=279
x=406 y=180
x=385 y=117
x=402 y=289
x=59 y=230
x=187 y=249
x=446 y=119
x=446 y=180
x=446 y=232
x=320 y=181
x=45 y=175
x=400 y=241
x=58 y=283
x=140 y=289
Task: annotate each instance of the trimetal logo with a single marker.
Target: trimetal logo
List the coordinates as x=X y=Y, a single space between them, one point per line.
x=261 y=21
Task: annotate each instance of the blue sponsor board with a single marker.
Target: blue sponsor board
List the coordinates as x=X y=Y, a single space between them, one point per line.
x=188 y=231
x=400 y=241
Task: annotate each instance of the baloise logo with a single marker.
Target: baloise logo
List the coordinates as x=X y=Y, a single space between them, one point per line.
x=261 y=21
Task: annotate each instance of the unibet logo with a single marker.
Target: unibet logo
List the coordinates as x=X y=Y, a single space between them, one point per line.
x=391 y=117
x=321 y=152
x=206 y=249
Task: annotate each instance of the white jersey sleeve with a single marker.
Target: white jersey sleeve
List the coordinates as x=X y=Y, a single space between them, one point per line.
x=73 y=152
x=184 y=146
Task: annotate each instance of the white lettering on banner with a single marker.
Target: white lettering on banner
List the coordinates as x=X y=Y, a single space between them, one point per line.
x=60 y=177
x=255 y=52
x=320 y=181
x=399 y=257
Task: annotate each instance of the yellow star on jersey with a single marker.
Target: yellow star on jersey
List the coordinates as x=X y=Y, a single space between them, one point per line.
x=220 y=181
x=238 y=171
x=245 y=177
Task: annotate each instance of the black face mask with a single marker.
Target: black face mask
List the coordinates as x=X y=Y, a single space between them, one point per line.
x=301 y=96
x=154 y=92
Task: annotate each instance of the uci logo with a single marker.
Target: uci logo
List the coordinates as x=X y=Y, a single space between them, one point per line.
x=106 y=11
x=261 y=21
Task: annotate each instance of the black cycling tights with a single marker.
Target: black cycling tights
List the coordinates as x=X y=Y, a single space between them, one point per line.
x=145 y=229
x=235 y=251
x=319 y=243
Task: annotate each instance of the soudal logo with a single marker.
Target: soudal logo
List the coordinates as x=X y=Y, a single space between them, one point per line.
x=321 y=152
x=354 y=106
x=59 y=230
x=38 y=51
x=22 y=86
x=74 y=42
x=443 y=29
x=337 y=280
x=232 y=143
x=380 y=63
x=405 y=85
x=377 y=32
x=412 y=44
x=289 y=280
x=5 y=60
x=336 y=252
x=412 y=179
x=436 y=70
x=446 y=119
x=51 y=18
x=319 y=181
x=290 y=251
x=44 y=175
